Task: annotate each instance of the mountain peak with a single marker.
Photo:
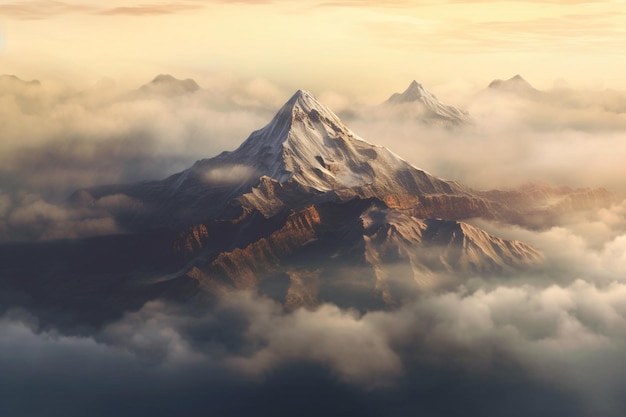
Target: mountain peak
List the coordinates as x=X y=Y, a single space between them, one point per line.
x=15 y=80
x=303 y=107
x=303 y=95
x=414 y=92
x=429 y=108
x=301 y=132
x=515 y=84
x=163 y=78
x=302 y=99
x=169 y=84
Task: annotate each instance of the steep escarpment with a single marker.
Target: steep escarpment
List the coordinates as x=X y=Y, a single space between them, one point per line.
x=243 y=267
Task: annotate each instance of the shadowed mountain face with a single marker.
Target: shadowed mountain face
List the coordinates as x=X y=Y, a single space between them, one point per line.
x=304 y=211
x=360 y=254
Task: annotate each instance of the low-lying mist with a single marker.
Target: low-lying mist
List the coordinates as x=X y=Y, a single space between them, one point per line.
x=561 y=344
x=551 y=338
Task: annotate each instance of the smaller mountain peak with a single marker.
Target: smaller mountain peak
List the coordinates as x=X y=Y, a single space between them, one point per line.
x=163 y=78
x=414 y=92
x=516 y=83
x=414 y=84
x=13 y=79
x=166 y=82
x=428 y=106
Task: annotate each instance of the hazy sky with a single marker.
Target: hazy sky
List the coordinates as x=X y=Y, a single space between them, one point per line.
x=368 y=48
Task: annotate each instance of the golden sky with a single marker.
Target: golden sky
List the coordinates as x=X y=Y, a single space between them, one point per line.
x=363 y=47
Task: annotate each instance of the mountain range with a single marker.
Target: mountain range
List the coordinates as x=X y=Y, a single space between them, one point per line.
x=304 y=211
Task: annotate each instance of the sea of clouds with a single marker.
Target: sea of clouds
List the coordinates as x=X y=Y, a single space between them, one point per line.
x=550 y=342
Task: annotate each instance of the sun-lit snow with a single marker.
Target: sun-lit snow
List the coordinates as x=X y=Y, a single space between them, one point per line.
x=307 y=143
x=416 y=100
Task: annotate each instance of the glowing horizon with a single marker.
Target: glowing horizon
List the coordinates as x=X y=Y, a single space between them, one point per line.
x=363 y=48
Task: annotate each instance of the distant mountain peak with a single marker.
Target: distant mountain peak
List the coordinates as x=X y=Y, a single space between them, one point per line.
x=170 y=84
x=516 y=84
x=414 y=92
x=430 y=107
x=13 y=79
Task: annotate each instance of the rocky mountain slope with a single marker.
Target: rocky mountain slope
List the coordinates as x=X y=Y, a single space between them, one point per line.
x=360 y=253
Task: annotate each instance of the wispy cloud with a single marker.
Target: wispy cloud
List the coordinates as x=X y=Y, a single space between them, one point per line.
x=368 y=3
x=595 y=30
x=40 y=9
x=151 y=9
x=421 y=3
x=43 y=9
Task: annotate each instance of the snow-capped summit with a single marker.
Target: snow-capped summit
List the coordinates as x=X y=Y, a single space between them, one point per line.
x=302 y=135
x=304 y=154
x=428 y=107
x=308 y=144
x=414 y=92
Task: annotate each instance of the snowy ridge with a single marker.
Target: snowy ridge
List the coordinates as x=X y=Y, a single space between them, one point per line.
x=308 y=144
x=429 y=104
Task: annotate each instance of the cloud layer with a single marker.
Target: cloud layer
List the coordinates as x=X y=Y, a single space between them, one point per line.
x=553 y=339
x=517 y=345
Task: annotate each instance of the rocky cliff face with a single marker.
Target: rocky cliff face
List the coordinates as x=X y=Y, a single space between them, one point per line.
x=397 y=255
x=245 y=267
